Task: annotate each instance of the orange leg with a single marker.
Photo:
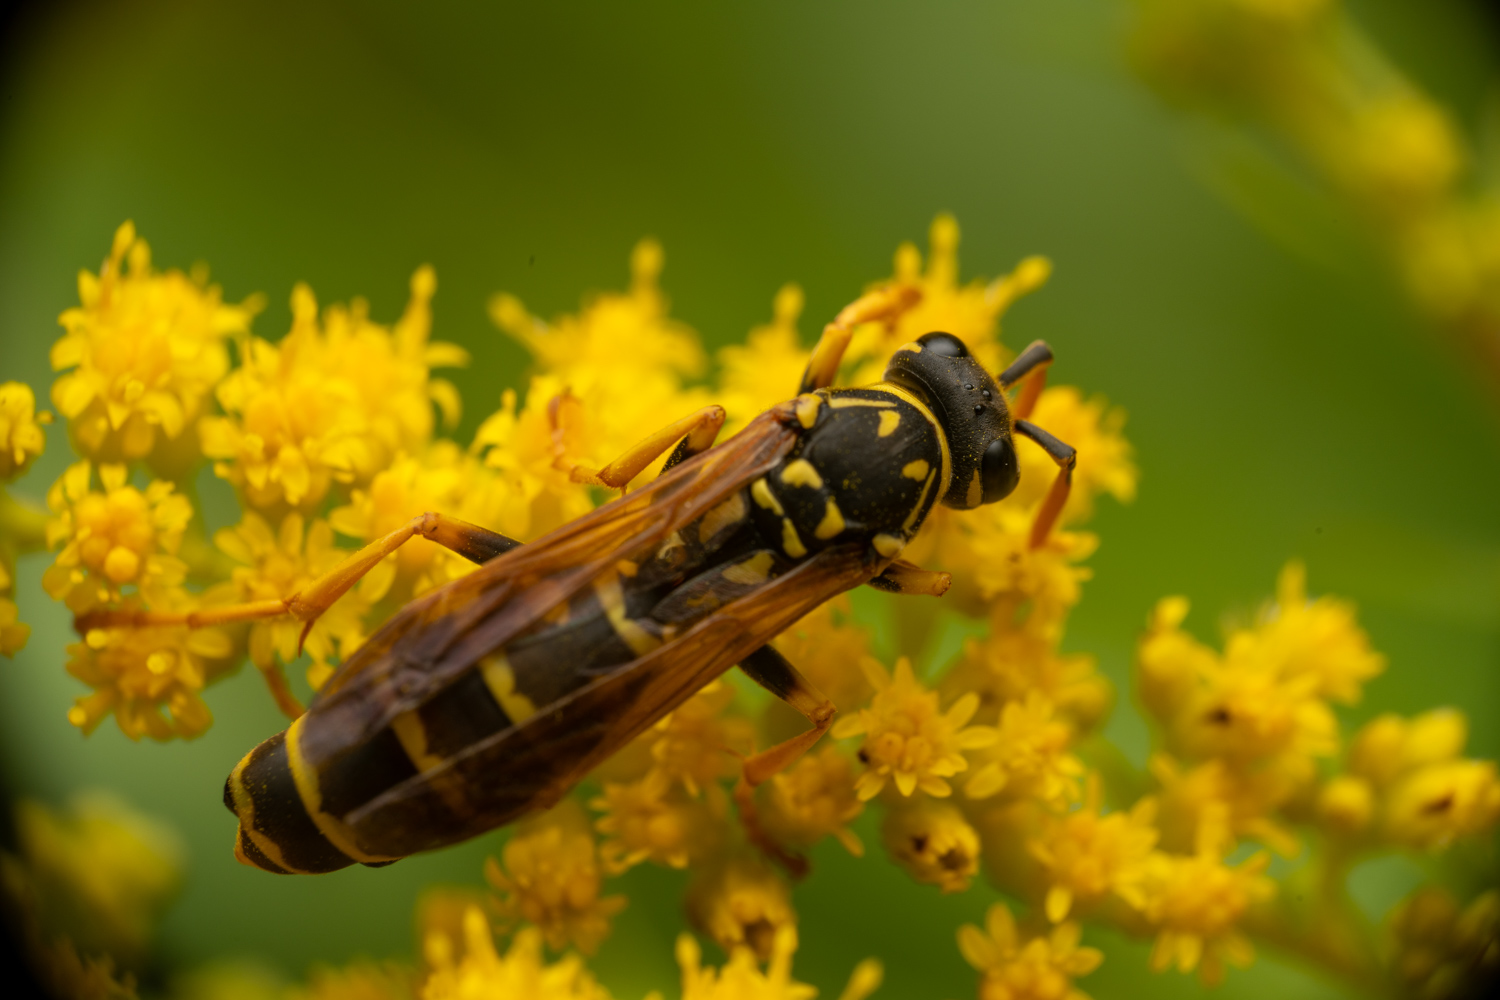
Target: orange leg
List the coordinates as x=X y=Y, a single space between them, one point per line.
x=902 y=577
x=1066 y=458
x=696 y=433
x=886 y=304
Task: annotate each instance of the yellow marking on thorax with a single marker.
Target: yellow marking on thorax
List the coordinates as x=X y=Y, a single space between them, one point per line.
x=916 y=470
x=800 y=472
x=840 y=402
x=612 y=600
x=731 y=511
x=790 y=542
x=501 y=680
x=889 y=421
x=761 y=491
x=889 y=545
x=976 y=491
x=911 y=519
x=671 y=545
x=306 y=780
x=244 y=808
x=752 y=572
x=912 y=346
x=921 y=407
x=832 y=523
x=806 y=408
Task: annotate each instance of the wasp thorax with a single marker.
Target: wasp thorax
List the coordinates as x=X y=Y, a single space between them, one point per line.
x=972 y=410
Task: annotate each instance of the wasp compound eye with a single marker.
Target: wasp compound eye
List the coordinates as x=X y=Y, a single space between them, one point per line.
x=944 y=345
x=999 y=471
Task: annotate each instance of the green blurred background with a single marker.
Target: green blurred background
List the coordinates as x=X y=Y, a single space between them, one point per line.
x=1284 y=399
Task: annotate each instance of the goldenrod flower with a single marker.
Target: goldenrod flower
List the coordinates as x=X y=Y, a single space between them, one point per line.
x=970 y=312
x=332 y=402
x=1104 y=464
x=97 y=871
x=114 y=538
x=766 y=369
x=907 y=739
x=13 y=632
x=832 y=651
x=529 y=449
x=360 y=980
x=1213 y=791
x=1195 y=902
x=145 y=349
x=1039 y=967
x=1029 y=756
x=278 y=564
x=741 y=977
x=1011 y=663
x=1088 y=855
x=22 y=439
x=651 y=819
x=622 y=361
x=1440 y=951
x=139 y=673
x=1169 y=662
x=814 y=799
x=471 y=969
x=741 y=903
x=698 y=744
x=933 y=842
x=550 y=876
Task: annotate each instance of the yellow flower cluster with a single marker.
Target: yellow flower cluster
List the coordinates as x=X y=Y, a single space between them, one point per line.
x=22 y=441
x=1306 y=70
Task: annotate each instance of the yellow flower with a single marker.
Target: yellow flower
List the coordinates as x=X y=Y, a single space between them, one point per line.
x=1169 y=661
x=1011 y=663
x=741 y=977
x=1041 y=967
x=115 y=538
x=1215 y=792
x=813 y=799
x=1029 y=757
x=621 y=360
x=1104 y=456
x=970 y=312
x=1088 y=855
x=137 y=673
x=471 y=969
x=832 y=651
x=1298 y=638
x=741 y=903
x=933 y=842
x=907 y=740
x=1195 y=902
x=97 y=871
x=332 y=402
x=21 y=436
x=765 y=370
x=698 y=744
x=651 y=819
x=278 y=565
x=360 y=980
x=144 y=349
x=551 y=878
x=13 y=632
x=1440 y=951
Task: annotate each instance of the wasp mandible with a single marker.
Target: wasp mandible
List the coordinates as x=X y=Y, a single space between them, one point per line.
x=494 y=695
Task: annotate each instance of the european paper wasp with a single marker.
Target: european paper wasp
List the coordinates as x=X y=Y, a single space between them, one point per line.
x=494 y=695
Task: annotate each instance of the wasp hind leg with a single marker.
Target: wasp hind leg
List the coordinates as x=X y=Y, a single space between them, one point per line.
x=774 y=672
x=694 y=433
x=468 y=540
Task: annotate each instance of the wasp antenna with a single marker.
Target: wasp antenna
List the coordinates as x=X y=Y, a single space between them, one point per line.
x=1037 y=355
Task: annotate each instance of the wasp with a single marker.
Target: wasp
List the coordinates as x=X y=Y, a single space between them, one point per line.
x=494 y=695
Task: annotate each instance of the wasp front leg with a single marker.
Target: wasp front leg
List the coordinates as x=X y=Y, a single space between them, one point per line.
x=775 y=673
x=694 y=433
x=885 y=304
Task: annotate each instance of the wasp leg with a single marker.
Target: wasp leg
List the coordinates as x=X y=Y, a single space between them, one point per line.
x=467 y=540
x=901 y=577
x=697 y=432
x=1066 y=458
x=883 y=304
x=772 y=671
x=1029 y=367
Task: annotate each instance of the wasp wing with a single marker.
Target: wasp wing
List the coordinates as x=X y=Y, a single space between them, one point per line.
x=532 y=765
x=431 y=640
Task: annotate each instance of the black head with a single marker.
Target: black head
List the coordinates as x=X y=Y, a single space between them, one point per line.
x=969 y=404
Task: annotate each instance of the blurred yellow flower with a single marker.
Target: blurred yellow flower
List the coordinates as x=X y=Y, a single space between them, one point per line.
x=1088 y=855
x=141 y=352
x=1040 y=967
x=471 y=969
x=741 y=903
x=814 y=799
x=741 y=977
x=933 y=841
x=767 y=368
x=1029 y=756
x=653 y=819
x=22 y=439
x=114 y=538
x=1440 y=951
